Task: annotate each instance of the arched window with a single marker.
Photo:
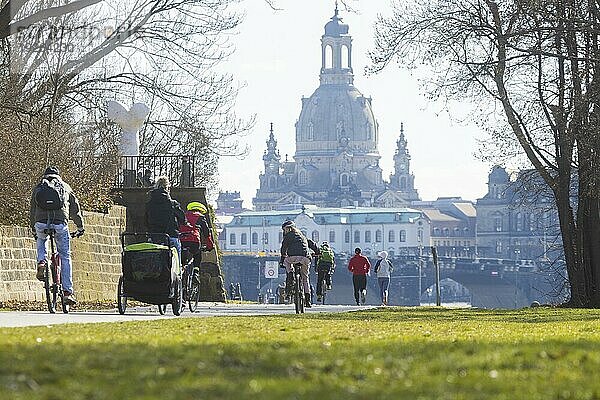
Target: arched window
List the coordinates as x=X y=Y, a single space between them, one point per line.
x=498 y=224
x=498 y=246
x=356 y=236
x=328 y=56
x=315 y=236
x=367 y=236
x=266 y=238
x=446 y=232
x=254 y=238
x=378 y=236
x=391 y=236
x=519 y=222
x=310 y=131
x=419 y=235
x=347 y=236
x=331 y=236
x=232 y=238
x=345 y=57
x=244 y=239
x=403 y=236
x=344 y=180
x=302 y=178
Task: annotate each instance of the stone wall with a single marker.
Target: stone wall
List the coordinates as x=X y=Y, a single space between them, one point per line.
x=96 y=259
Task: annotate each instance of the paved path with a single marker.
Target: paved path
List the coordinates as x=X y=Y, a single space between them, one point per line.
x=37 y=318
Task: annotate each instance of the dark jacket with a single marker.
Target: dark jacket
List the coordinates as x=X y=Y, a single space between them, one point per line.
x=163 y=214
x=294 y=244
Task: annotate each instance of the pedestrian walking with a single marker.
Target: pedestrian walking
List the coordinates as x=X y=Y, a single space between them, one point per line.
x=383 y=269
x=360 y=266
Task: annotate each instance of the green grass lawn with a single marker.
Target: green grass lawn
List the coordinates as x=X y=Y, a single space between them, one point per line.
x=396 y=353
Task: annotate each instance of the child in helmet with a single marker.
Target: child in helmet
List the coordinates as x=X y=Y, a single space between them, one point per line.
x=195 y=234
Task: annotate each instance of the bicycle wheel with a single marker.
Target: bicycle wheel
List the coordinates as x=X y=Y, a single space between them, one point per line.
x=50 y=289
x=162 y=309
x=193 y=292
x=121 y=298
x=178 y=298
x=298 y=295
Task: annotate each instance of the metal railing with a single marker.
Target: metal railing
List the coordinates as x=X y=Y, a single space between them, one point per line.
x=142 y=171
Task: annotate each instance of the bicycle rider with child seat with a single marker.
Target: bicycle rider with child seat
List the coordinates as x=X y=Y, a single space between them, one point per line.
x=53 y=203
x=195 y=234
x=294 y=250
x=325 y=267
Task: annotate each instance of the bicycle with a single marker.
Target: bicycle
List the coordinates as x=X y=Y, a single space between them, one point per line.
x=52 y=280
x=297 y=289
x=191 y=288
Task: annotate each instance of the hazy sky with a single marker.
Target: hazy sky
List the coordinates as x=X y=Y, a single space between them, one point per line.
x=278 y=57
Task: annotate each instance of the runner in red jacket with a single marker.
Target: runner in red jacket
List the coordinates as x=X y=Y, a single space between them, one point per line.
x=360 y=266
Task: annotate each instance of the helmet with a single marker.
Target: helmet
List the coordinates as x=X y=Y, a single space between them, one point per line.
x=288 y=224
x=325 y=244
x=196 y=206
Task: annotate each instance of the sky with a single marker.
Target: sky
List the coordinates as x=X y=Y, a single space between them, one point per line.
x=277 y=61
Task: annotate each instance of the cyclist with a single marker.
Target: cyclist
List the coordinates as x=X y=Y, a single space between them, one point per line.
x=53 y=203
x=360 y=266
x=325 y=267
x=294 y=249
x=195 y=234
x=163 y=214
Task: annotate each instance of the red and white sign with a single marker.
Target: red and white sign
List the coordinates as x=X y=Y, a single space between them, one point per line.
x=271 y=269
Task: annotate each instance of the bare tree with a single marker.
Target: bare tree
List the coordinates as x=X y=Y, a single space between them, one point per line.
x=532 y=67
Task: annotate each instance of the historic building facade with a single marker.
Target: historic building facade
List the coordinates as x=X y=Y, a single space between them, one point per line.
x=396 y=230
x=336 y=162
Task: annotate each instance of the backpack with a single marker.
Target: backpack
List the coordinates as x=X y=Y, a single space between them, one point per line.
x=50 y=194
x=326 y=254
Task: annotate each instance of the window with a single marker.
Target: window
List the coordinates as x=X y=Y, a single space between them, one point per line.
x=367 y=236
x=315 y=236
x=244 y=239
x=519 y=222
x=403 y=236
x=345 y=57
x=356 y=236
x=446 y=232
x=378 y=236
x=403 y=183
x=498 y=224
x=255 y=238
x=302 y=178
x=266 y=238
x=272 y=182
x=419 y=236
x=311 y=131
x=498 y=246
x=331 y=236
x=347 y=236
x=391 y=236
x=232 y=238
x=328 y=57
x=344 y=180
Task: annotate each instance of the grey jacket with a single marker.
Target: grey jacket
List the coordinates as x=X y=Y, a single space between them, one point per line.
x=70 y=209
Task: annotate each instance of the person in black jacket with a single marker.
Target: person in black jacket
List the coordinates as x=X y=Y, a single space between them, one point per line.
x=163 y=214
x=294 y=249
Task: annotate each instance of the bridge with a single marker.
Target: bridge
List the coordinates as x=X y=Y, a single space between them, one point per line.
x=485 y=283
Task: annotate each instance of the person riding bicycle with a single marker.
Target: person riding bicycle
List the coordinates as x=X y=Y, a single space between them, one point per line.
x=325 y=267
x=195 y=235
x=53 y=203
x=163 y=214
x=294 y=250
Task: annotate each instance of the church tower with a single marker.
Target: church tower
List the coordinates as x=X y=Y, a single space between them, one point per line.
x=402 y=180
x=336 y=53
x=270 y=179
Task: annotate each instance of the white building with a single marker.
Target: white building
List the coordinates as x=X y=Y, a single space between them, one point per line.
x=397 y=230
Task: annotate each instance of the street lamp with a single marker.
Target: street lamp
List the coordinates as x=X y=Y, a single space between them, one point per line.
x=517 y=254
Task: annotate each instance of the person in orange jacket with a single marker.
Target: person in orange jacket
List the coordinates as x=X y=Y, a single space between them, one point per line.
x=360 y=266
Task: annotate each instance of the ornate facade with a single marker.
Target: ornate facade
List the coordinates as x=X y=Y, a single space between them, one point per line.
x=336 y=163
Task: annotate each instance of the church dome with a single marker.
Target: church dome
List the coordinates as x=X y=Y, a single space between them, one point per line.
x=335 y=27
x=335 y=117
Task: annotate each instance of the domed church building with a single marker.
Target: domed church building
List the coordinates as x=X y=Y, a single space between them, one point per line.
x=336 y=163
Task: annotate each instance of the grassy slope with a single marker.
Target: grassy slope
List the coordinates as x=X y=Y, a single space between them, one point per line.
x=383 y=354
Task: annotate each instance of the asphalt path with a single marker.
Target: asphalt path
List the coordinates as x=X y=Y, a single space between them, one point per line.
x=40 y=318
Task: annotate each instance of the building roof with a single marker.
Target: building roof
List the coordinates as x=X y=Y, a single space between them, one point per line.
x=329 y=216
x=438 y=216
x=468 y=209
